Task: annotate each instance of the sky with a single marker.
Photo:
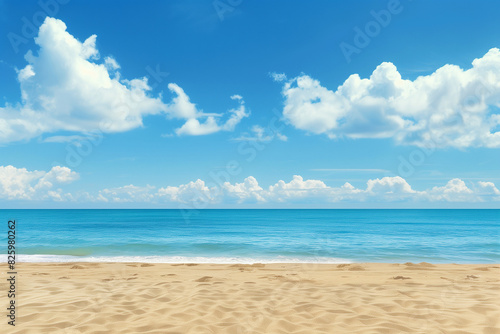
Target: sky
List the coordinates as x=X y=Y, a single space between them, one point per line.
x=249 y=104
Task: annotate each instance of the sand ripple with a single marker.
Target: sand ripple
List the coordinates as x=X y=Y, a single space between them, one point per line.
x=272 y=298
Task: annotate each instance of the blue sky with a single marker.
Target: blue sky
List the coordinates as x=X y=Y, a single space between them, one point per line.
x=247 y=92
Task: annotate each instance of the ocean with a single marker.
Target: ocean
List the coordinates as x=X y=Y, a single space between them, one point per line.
x=250 y=236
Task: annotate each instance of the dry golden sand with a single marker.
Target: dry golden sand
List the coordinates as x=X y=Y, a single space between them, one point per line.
x=271 y=298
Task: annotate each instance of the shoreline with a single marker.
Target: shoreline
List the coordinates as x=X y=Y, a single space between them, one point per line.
x=61 y=259
x=305 y=263
x=100 y=297
x=171 y=259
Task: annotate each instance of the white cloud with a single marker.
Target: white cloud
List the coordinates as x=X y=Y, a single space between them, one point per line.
x=182 y=107
x=247 y=191
x=454 y=191
x=20 y=183
x=278 y=76
x=450 y=107
x=389 y=185
x=192 y=192
x=260 y=134
x=76 y=139
x=193 y=127
x=297 y=188
x=60 y=174
x=488 y=188
x=236 y=114
x=281 y=137
x=67 y=87
x=111 y=63
x=25 y=73
x=129 y=193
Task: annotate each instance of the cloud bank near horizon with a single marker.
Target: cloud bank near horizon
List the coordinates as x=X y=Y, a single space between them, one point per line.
x=22 y=184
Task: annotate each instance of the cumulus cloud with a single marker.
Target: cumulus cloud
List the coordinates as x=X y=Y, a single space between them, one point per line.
x=488 y=191
x=451 y=107
x=67 y=87
x=129 y=193
x=454 y=191
x=393 y=188
x=22 y=184
x=488 y=188
x=192 y=192
x=64 y=87
x=299 y=190
x=182 y=107
x=247 y=191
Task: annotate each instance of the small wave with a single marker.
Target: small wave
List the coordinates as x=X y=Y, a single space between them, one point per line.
x=177 y=259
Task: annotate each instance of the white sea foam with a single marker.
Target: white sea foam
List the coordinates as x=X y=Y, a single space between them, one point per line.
x=177 y=259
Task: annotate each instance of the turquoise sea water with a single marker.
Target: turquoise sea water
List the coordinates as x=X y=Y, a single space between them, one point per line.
x=247 y=236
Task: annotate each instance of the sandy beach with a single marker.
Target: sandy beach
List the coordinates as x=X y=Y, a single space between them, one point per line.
x=258 y=298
